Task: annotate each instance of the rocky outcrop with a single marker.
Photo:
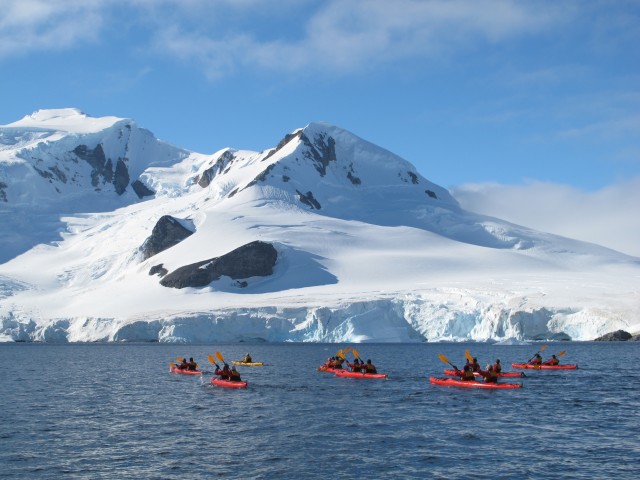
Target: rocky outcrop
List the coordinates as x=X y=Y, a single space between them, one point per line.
x=141 y=189
x=167 y=232
x=617 y=336
x=321 y=151
x=255 y=259
x=102 y=168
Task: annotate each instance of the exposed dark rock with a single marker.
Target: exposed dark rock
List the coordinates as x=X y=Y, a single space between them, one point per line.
x=121 y=177
x=414 y=178
x=431 y=193
x=158 y=270
x=617 y=336
x=3 y=194
x=308 y=199
x=141 y=189
x=321 y=151
x=285 y=178
x=287 y=138
x=261 y=177
x=103 y=167
x=355 y=180
x=222 y=164
x=167 y=232
x=255 y=259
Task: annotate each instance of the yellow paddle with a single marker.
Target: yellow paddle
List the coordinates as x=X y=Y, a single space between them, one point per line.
x=446 y=360
x=542 y=349
x=172 y=364
x=220 y=357
x=356 y=354
x=468 y=355
x=561 y=353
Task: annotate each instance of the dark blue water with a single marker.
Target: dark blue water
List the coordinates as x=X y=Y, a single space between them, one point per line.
x=113 y=411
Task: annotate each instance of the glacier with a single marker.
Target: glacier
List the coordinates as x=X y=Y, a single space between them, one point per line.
x=369 y=250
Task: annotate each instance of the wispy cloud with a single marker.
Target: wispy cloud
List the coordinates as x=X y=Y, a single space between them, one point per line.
x=608 y=216
x=223 y=36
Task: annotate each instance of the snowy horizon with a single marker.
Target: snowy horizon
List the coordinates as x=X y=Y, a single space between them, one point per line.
x=368 y=248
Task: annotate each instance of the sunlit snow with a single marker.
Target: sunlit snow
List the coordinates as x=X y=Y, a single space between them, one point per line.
x=388 y=257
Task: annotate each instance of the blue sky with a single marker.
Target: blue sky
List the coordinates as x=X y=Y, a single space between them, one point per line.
x=501 y=97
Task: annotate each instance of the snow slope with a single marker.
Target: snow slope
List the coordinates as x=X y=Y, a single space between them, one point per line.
x=368 y=249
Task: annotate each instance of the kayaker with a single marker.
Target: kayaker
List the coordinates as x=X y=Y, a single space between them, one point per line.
x=370 y=367
x=192 y=365
x=337 y=362
x=489 y=375
x=466 y=374
x=246 y=359
x=537 y=360
x=184 y=365
x=225 y=373
x=497 y=368
x=552 y=361
x=356 y=366
x=475 y=366
x=234 y=375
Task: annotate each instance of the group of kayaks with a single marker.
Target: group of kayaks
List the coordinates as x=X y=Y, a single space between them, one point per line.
x=477 y=383
x=338 y=371
x=216 y=380
x=334 y=365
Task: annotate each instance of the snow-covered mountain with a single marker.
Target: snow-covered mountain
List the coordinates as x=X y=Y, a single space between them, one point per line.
x=110 y=234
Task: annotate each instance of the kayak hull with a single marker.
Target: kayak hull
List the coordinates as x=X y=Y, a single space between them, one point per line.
x=248 y=364
x=184 y=372
x=544 y=367
x=324 y=368
x=452 y=382
x=477 y=374
x=227 y=383
x=347 y=374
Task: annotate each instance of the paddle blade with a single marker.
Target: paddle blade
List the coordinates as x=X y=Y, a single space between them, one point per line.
x=561 y=353
x=179 y=360
x=211 y=359
x=468 y=355
x=340 y=354
x=355 y=353
x=346 y=350
x=220 y=357
x=543 y=348
x=443 y=358
x=172 y=364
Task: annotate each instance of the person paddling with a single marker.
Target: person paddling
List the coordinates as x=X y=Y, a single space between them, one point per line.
x=370 y=367
x=184 y=365
x=497 y=367
x=225 y=373
x=552 y=361
x=475 y=366
x=192 y=365
x=234 y=375
x=246 y=359
x=489 y=375
x=537 y=360
x=466 y=374
x=356 y=366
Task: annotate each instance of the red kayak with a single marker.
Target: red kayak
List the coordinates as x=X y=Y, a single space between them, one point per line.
x=348 y=374
x=324 y=368
x=544 y=367
x=452 y=382
x=228 y=383
x=184 y=371
x=477 y=374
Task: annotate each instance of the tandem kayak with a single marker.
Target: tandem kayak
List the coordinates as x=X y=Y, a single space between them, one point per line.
x=452 y=382
x=348 y=374
x=228 y=383
x=544 y=367
x=502 y=375
x=324 y=368
x=184 y=372
x=248 y=364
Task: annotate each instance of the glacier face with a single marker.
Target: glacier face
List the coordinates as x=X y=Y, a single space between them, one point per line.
x=368 y=249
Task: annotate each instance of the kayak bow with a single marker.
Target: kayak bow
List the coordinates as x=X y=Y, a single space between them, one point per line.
x=248 y=364
x=184 y=372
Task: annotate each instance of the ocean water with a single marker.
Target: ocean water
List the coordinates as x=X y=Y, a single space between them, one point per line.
x=114 y=411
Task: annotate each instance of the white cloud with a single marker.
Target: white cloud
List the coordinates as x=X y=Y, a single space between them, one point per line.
x=32 y=25
x=609 y=216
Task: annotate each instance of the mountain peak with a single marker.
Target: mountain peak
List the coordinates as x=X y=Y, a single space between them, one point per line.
x=70 y=120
